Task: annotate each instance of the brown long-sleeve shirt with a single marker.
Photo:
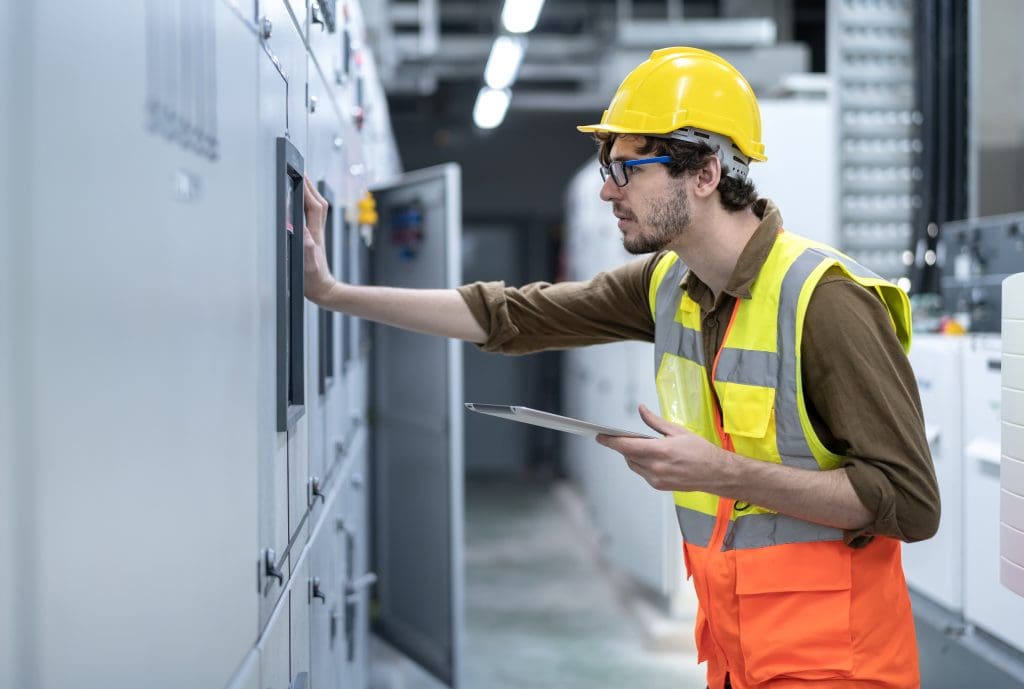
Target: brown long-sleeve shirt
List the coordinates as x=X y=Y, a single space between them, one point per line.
x=860 y=390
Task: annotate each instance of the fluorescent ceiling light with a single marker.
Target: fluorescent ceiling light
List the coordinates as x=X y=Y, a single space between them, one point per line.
x=520 y=16
x=491 y=106
x=503 y=63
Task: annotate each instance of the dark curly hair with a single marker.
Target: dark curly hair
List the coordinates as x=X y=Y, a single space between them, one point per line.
x=735 y=194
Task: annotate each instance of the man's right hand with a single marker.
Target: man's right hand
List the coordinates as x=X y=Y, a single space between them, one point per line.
x=317 y=279
x=432 y=311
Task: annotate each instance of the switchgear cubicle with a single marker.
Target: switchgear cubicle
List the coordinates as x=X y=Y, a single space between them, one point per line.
x=200 y=487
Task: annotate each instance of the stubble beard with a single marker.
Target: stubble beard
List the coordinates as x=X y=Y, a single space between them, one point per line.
x=665 y=224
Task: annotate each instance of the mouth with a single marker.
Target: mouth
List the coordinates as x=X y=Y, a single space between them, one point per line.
x=621 y=212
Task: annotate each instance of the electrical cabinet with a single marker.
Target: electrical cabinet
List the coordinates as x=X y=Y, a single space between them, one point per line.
x=137 y=351
x=275 y=666
x=987 y=603
x=189 y=452
x=326 y=557
x=355 y=580
x=1011 y=515
x=937 y=361
x=299 y=633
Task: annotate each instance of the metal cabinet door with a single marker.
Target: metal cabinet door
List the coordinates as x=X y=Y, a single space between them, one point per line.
x=137 y=410
x=417 y=433
x=323 y=371
x=356 y=581
x=273 y=647
x=248 y=675
x=326 y=558
x=325 y=35
x=283 y=455
x=9 y=435
x=301 y=604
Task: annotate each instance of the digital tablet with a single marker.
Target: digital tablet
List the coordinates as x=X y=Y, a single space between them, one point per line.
x=548 y=420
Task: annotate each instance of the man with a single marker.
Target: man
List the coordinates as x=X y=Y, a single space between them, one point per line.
x=792 y=431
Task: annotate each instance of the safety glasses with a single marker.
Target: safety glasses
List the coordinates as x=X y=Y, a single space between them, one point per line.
x=618 y=168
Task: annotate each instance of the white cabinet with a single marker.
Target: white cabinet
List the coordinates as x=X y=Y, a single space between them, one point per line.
x=929 y=565
x=1011 y=528
x=987 y=603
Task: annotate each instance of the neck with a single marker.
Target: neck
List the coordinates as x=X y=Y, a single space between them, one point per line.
x=713 y=247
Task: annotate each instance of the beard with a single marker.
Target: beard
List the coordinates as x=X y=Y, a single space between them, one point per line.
x=665 y=223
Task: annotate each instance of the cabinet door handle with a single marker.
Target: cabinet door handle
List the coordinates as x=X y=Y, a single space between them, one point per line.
x=315 y=591
x=315 y=15
x=315 y=490
x=270 y=566
x=353 y=588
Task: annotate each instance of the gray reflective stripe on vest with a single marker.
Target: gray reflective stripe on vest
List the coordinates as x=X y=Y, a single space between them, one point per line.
x=669 y=335
x=789 y=433
x=747 y=366
x=695 y=526
x=765 y=369
x=851 y=265
x=763 y=530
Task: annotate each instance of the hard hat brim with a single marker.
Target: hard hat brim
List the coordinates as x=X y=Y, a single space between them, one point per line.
x=614 y=129
x=757 y=155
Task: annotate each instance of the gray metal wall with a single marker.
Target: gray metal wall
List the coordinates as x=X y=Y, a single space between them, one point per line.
x=143 y=477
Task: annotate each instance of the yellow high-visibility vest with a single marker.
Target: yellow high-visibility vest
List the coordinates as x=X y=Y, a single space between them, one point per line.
x=757 y=380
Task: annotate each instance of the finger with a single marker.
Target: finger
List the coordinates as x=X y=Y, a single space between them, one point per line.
x=314 y=214
x=609 y=441
x=313 y=200
x=659 y=424
x=308 y=200
x=632 y=447
x=315 y=193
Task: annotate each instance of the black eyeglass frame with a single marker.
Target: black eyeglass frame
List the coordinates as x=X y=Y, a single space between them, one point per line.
x=618 y=168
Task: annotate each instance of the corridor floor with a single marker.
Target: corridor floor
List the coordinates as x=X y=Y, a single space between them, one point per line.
x=540 y=610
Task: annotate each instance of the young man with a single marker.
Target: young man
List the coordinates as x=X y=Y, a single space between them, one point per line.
x=793 y=439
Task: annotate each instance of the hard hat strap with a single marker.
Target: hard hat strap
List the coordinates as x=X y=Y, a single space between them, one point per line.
x=734 y=163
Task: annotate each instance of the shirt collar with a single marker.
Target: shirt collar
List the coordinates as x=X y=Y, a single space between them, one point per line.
x=750 y=261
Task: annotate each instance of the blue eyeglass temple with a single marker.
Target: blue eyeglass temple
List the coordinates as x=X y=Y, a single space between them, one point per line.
x=645 y=161
x=607 y=169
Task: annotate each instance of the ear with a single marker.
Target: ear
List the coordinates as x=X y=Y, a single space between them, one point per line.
x=707 y=178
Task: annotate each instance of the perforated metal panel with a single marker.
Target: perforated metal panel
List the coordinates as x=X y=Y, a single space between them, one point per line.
x=872 y=59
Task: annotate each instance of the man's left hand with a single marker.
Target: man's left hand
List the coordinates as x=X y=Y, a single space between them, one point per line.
x=681 y=460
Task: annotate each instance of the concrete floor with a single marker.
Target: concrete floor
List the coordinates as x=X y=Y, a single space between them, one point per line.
x=541 y=611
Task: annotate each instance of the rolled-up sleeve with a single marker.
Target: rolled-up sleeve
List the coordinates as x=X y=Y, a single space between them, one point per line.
x=864 y=404
x=610 y=307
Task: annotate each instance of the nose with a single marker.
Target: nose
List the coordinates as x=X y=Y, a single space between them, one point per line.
x=610 y=191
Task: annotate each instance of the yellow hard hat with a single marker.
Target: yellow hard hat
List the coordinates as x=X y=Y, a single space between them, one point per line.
x=685 y=87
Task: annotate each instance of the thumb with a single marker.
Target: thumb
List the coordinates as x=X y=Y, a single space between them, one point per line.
x=657 y=423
